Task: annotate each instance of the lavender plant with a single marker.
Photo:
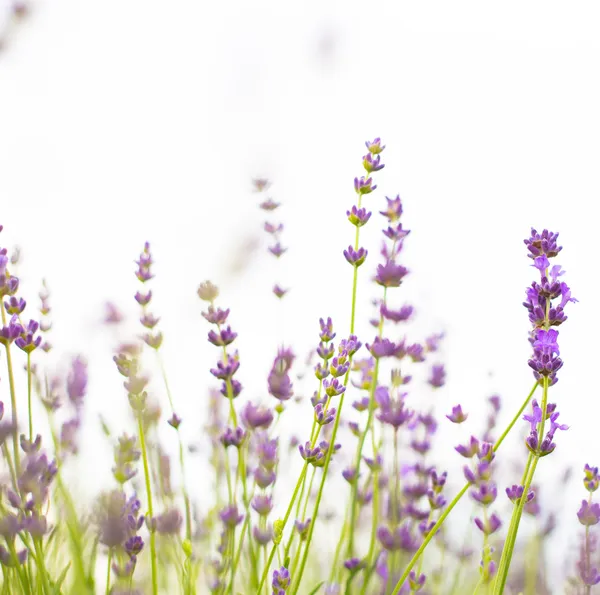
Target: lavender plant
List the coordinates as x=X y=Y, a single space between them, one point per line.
x=256 y=530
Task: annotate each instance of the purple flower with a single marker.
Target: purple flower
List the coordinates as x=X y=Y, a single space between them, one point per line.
x=371 y=163
x=263 y=536
x=143 y=299
x=302 y=528
x=11 y=331
x=279 y=291
x=134 y=545
x=591 y=478
x=281 y=581
x=326 y=333
x=400 y=538
x=384 y=348
x=255 y=417
x=390 y=274
x=266 y=450
x=438 y=376
x=485 y=493
x=470 y=450
x=323 y=416
x=416 y=582
x=457 y=416
x=515 y=492
x=263 y=504
x=375 y=146
x=230 y=516
x=15 y=305
x=333 y=387
x=222 y=338
x=77 y=381
x=226 y=369
x=232 y=437
x=542 y=244
x=7 y=559
x=358 y=217
x=355 y=257
x=589 y=514
x=277 y=250
x=401 y=315
x=354 y=564
x=490 y=525
x=364 y=185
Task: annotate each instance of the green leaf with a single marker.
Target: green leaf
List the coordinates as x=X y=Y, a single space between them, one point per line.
x=61 y=579
x=317 y=588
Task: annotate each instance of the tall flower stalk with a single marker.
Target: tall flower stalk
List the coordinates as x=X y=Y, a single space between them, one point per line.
x=545 y=303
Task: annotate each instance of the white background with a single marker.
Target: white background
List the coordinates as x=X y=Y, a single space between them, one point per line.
x=122 y=122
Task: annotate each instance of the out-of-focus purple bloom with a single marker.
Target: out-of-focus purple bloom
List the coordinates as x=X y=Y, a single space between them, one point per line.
x=390 y=274
x=438 y=376
x=385 y=348
x=279 y=382
x=457 y=416
x=232 y=437
x=77 y=381
x=263 y=536
x=279 y=291
x=485 y=493
x=169 y=522
x=143 y=299
x=6 y=559
x=230 y=516
x=401 y=315
x=393 y=411
x=400 y=538
x=224 y=337
x=589 y=513
x=302 y=528
x=470 y=450
x=226 y=369
x=515 y=492
x=263 y=504
x=277 y=250
x=255 y=417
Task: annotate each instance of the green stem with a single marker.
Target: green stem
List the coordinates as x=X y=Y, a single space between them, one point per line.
x=186 y=497
x=13 y=396
x=457 y=498
x=150 y=508
x=284 y=522
x=108 y=569
x=41 y=565
x=29 y=396
x=511 y=538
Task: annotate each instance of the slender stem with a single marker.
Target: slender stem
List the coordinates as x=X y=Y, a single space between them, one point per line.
x=108 y=569
x=186 y=497
x=41 y=565
x=363 y=436
x=29 y=396
x=284 y=522
x=588 y=587
x=150 y=508
x=13 y=396
x=511 y=538
x=457 y=498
